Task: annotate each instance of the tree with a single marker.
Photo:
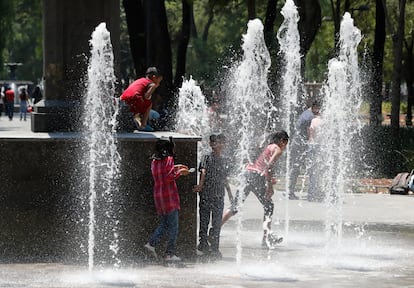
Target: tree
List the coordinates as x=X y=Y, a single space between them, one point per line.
x=377 y=64
x=184 y=38
x=408 y=72
x=6 y=20
x=149 y=39
x=309 y=23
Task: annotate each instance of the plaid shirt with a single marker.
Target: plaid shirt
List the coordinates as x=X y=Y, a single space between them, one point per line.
x=165 y=189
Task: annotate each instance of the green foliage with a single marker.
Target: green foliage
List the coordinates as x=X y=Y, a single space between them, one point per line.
x=6 y=20
x=386 y=107
x=25 y=40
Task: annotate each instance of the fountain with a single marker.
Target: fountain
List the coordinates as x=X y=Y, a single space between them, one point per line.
x=375 y=232
x=247 y=94
x=341 y=128
x=289 y=40
x=103 y=159
x=192 y=111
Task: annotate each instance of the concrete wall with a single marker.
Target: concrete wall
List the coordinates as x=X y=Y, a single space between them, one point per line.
x=44 y=201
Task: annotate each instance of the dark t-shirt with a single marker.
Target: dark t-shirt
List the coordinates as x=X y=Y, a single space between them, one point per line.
x=303 y=124
x=216 y=174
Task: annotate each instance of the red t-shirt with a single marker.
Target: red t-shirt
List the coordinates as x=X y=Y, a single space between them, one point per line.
x=165 y=189
x=134 y=96
x=9 y=95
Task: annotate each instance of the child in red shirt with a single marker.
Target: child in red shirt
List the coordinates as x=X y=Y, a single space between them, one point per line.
x=138 y=97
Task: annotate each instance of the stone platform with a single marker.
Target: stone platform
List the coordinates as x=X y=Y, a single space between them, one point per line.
x=44 y=195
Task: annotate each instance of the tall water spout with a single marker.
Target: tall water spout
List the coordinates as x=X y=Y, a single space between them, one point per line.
x=102 y=157
x=289 y=41
x=340 y=125
x=249 y=105
x=192 y=113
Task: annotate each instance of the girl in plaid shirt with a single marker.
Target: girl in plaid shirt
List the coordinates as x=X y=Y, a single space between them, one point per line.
x=166 y=198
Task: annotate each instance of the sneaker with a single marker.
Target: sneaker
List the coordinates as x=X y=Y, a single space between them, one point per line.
x=147 y=128
x=172 y=258
x=293 y=197
x=272 y=241
x=151 y=249
x=203 y=249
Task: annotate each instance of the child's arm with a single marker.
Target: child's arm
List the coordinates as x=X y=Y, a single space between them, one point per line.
x=229 y=191
x=199 y=187
x=181 y=169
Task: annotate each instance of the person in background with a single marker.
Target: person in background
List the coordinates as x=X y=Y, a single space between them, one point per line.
x=2 y=96
x=9 y=93
x=211 y=188
x=138 y=97
x=36 y=95
x=24 y=98
x=300 y=147
x=314 y=189
x=166 y=198
x=260 y=181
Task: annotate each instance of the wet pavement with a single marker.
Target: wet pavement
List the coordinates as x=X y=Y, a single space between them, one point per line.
x=374 y=249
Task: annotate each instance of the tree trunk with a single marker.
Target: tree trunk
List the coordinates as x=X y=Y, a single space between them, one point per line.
x=183 y=43
x=135 y=18
x=397 y=39
x=377 y=65
x=269 y=22
x=251 y=9
x=409 y=66
x=309 y=23
x=337 y=17
x=159 y=45
x=208 y=24
x=396 y=77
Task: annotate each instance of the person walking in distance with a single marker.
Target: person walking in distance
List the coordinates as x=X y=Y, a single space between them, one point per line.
x=299 y=147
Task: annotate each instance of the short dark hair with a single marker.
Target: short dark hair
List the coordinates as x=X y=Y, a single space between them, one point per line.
x=153 y=71
x=217 y=137
x=163 y=149
x=316 y=103
x=278 y=136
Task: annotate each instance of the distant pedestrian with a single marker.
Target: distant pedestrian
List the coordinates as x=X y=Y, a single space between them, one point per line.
x=24 y=98
x=2 y=96
x=299 y=147
x=166 y=198
x=36 y=95
x=9 y=102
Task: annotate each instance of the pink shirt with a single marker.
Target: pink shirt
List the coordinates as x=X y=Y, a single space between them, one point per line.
x=262 y=163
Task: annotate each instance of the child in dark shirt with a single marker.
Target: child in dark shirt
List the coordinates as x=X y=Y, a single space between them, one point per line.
x=211 y=188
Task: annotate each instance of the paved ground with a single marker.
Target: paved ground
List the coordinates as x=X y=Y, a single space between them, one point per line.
x=374 y=247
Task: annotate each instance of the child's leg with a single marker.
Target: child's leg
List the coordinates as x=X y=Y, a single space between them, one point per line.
x=172 y=228
x=217 y=212
x=268 y=206
x=159 y=231
x=204 y=213
x=145 y=117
